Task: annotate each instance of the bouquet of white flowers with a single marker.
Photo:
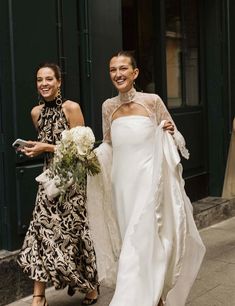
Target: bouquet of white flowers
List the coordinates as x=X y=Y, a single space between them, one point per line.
x=74 y=158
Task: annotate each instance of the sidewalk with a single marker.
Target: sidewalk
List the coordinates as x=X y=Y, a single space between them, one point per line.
x=215 y=284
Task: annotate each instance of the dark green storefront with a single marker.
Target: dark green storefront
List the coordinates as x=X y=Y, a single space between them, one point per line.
x=81 y=36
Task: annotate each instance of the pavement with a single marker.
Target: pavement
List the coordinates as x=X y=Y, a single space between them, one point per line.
x=214 y=286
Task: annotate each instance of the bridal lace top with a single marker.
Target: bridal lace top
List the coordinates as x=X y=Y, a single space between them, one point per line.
x=154 y=106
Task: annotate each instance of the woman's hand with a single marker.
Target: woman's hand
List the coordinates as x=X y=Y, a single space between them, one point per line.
x=169 y=127
x=36 y=148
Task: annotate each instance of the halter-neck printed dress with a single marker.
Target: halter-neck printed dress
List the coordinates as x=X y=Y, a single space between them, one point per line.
x=57 y=245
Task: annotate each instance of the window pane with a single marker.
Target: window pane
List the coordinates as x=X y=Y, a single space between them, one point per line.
x=137 y=24
x=182 y=45
x=173 y=53
x=191 y=53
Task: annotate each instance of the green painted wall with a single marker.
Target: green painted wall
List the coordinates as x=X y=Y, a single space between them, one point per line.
x=217 y=89
x=32 y=32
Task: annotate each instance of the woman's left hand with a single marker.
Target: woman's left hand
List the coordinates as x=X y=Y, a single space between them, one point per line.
x=168 y=126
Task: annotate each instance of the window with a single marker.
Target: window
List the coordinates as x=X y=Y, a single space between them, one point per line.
x=138 y=33
x=182 y=53
x=180 y=36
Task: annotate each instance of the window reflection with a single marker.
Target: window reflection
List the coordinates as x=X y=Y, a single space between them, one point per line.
x=182 y=53
x=191 y=53
x=137 y=23
x=173 y=53
x=182 y=47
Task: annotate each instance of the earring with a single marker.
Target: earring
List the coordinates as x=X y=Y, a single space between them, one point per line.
x=59 y=98
x=40 y=100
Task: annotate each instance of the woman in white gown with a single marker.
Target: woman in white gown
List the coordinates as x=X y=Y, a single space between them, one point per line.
x=145 y=229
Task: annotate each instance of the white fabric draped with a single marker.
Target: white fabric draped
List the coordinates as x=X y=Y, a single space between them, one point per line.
x=158 y=251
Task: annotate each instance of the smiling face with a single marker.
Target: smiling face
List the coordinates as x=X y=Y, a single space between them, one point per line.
x=47 y=83
x=122 y=73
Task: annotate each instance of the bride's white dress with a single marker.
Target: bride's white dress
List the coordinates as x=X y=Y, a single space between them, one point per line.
x=132 y=167
x=146 y=241
x=133 y=144
x=161 y=247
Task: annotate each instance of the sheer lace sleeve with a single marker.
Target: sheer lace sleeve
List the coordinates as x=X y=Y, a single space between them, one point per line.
x=163 y=114
x=106 y=124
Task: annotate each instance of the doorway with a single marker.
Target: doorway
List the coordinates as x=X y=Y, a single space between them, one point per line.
x=164 y=36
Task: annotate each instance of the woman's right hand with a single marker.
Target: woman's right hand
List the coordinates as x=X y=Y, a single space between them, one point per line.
x=36 y=148
x=169 y=127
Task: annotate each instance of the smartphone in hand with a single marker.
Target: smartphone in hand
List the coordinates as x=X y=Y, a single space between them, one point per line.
x=20 y=144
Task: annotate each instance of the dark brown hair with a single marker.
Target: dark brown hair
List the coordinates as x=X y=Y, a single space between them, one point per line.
x=129 y=54
x=53 y=67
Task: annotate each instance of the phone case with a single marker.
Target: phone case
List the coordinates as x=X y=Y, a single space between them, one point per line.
x=20 y=143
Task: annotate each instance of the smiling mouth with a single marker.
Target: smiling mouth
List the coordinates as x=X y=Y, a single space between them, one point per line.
x=120 y=81
x=45 y=90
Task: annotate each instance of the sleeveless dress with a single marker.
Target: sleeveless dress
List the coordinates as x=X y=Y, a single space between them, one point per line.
x=57 y=246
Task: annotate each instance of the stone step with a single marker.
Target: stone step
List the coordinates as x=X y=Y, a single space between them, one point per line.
x=212 y=210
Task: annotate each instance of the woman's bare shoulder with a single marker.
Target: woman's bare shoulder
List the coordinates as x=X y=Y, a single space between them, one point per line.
x=71 y=105
x=36 y=111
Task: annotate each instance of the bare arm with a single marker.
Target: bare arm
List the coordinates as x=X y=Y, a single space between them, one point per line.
x=73 y=113
x=35 y=112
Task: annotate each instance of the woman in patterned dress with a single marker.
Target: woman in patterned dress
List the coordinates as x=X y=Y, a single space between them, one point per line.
x=57 y=246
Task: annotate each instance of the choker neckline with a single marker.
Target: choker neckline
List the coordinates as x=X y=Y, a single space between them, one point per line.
x=128 y=96
x=52 y=103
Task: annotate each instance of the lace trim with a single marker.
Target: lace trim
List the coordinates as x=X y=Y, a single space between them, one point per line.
x=180 y=143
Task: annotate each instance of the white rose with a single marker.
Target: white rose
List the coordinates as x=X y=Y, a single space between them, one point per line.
x=83 y=138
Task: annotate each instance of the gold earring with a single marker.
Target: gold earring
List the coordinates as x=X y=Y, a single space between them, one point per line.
x=59 y=98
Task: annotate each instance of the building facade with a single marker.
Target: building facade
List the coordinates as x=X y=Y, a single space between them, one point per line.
x=184 y=50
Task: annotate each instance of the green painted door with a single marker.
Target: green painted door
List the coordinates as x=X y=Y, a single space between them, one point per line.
x=217 y=82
